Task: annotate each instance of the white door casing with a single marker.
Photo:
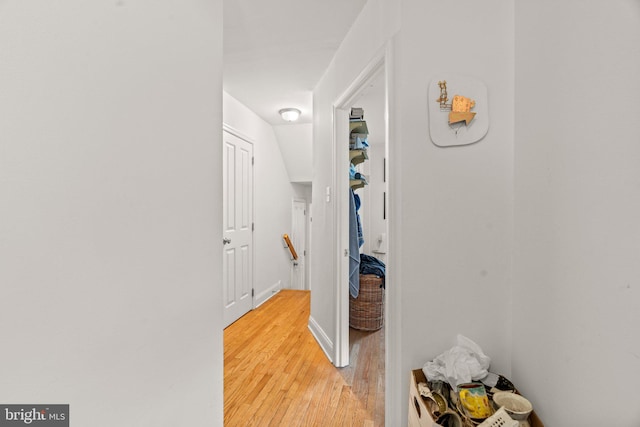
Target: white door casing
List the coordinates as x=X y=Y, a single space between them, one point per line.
x=393 y=383
x=237 y=271
x=340 y=149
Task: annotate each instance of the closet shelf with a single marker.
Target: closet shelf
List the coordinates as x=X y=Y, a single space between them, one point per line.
x=358 y=132
x=358 y=127
x=357 y=183
x=357 y=156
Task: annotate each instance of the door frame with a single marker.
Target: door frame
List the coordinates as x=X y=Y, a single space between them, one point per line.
x=340 y=148
x=381 y=62
x=235 y=132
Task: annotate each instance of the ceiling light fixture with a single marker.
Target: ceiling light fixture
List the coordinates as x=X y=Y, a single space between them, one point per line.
x=290 y=114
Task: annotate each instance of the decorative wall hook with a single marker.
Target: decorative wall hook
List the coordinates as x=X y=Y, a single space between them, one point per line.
x=461 y=126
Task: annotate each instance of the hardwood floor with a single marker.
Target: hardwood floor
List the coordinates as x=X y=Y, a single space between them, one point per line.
x=275 y=374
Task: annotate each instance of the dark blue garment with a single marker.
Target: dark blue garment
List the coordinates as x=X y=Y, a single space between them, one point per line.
x=372 y=265
x=354 y=250
x=356 y=199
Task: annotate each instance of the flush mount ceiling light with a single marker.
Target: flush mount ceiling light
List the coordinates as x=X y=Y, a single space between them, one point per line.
x=290 y=114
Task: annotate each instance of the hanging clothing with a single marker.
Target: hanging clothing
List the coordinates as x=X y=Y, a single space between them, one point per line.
x=358 y=141
x=352 y=171
x=356 y=198
x=354 y=248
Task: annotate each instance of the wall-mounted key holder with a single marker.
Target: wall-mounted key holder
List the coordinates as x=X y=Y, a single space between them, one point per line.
x=458 y=110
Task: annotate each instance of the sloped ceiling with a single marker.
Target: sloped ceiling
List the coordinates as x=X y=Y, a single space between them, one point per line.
x=276 y=51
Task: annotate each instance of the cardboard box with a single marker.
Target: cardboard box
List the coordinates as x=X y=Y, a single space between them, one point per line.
x=419 y=415
x=419 y=411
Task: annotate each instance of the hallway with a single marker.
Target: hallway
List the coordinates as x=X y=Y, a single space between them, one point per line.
x=276 y=374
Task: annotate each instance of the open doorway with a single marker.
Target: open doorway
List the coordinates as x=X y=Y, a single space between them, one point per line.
x=298 y=240
x=370 y=93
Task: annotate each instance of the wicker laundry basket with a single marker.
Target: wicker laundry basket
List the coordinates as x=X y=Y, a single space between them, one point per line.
x=366 y=312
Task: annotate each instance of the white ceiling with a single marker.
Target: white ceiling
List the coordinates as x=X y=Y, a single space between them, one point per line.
x=276 y=51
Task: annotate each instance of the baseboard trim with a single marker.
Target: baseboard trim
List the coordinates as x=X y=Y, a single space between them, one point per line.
x=264 y=296
x=322 y=338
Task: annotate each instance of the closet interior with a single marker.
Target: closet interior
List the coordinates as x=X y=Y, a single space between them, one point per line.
x=368 y=232
x=367 y=215
x=368 y=246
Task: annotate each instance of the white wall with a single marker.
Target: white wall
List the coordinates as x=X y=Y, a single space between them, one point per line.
x=295 y=142
x=456 y=203
x=565 y=314
x=454 y=228
x=576 y=295
x=110 y=190
x=273 y=194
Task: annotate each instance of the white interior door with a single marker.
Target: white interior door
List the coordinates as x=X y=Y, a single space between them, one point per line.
x=237 y=271
x=298 y=239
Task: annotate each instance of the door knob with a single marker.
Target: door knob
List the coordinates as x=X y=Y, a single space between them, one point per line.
x=226 y=241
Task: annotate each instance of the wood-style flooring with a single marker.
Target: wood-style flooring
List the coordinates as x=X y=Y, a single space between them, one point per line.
x=275 y=373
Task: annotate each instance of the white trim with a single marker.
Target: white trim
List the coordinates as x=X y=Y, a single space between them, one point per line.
x=238 y=133
x=321 y=337
x=264 y=296
x=366 y=76
x=309 y=246
x=341 y=239
x=394 y=374
x=340 y=146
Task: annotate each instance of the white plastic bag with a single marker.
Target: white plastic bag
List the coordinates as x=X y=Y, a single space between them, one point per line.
x=461 y=364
